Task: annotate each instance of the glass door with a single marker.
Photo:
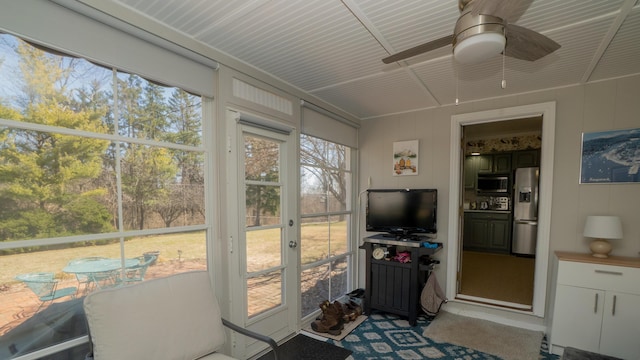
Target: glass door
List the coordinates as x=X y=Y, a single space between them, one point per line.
x=267 y=243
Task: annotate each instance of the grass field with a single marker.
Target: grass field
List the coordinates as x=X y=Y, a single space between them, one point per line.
x=262 y=247
x=191 y=246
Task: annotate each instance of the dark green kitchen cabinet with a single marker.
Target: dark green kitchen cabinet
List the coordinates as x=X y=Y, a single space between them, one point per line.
x=493 y=164
x=484 y=164
x=525 y=158
x=487 y=231
x=470 y=171
x=502 y=163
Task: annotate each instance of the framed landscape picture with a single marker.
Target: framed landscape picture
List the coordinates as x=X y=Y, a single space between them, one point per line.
x=405 y=158
x=610 y=157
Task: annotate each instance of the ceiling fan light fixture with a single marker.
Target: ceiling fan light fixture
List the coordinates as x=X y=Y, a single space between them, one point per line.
x=478 y=48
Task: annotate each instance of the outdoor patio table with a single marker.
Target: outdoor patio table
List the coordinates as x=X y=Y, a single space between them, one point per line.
x=101 y=272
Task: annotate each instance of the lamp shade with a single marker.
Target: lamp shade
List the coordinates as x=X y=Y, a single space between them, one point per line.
x=603 y=227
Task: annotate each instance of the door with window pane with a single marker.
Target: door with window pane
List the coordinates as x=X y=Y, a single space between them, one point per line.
x=267 y=222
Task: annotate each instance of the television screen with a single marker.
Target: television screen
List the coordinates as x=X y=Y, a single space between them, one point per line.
x=402 y=211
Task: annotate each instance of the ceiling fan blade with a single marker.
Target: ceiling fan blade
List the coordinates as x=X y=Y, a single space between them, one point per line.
x=525 y=44
x=431 y=45
x=508 y=10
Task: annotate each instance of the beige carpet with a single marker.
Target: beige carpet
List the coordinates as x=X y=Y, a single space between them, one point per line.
x=507 y=342
x=348 y=327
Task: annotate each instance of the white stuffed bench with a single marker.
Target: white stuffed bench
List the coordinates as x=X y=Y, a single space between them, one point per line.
x=176 y=317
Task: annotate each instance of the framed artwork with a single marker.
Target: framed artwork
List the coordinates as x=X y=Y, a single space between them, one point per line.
x=610 y=157
x=405 y=158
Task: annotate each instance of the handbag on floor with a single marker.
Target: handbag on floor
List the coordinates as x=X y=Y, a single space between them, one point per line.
x=432 y=297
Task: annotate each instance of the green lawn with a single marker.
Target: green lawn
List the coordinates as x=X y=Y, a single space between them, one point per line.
x=192 y=246
x=262 y=245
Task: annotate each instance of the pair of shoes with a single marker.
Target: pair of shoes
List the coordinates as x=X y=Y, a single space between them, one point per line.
x=323 y=306
x=357 y=293
x=351 y=311
x=331 y=320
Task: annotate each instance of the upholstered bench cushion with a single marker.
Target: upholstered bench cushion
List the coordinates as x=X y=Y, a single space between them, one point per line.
x=148 y=320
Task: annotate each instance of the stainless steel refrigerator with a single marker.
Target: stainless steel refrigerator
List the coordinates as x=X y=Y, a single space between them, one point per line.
x=525 y=211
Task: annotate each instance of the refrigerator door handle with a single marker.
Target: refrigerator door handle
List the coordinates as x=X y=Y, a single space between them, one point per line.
x=528 y=222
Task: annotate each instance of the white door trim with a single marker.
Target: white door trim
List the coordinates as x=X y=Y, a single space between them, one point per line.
x=281 y=322
x=548 y=112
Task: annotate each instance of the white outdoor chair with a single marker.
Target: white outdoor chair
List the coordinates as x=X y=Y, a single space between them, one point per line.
x=175 y=317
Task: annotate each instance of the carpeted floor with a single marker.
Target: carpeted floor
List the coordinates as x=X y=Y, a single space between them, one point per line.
x=389 y=337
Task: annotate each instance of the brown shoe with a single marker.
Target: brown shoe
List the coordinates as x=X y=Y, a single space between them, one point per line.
x=323 y=307
x=351 y=311
x=331 y=321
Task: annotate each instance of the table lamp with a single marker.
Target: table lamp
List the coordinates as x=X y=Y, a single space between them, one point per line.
x=601 y=228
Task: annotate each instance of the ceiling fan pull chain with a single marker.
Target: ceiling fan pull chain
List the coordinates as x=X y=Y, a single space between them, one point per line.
x=504 y=82
x=455 y=69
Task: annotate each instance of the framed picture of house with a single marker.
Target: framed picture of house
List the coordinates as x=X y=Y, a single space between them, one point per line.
x=405 y=158
x=610 y=157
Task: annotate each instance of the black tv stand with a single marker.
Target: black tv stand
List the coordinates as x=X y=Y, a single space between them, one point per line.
x=393 y=286
x=405 y=237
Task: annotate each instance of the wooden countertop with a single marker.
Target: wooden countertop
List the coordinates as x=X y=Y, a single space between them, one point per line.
x=587 y=258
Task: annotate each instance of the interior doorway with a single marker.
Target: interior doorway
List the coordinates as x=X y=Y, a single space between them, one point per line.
x=547 y=111
x=490 y=269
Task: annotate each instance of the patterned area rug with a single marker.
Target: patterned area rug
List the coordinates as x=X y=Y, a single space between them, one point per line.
x=389 y=337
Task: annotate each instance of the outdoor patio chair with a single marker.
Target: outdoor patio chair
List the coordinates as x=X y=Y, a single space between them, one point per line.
x=104 y=279
x=175 y=317
x=136 y=273
x=45 y=286
x=85 y=281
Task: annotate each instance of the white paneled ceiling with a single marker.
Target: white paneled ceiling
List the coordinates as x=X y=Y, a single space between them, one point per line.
x=332 y=49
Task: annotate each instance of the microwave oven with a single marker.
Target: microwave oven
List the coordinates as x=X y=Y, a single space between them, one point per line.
x=491 y=183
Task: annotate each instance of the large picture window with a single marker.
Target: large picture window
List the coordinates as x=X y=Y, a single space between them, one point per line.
x=102 y=183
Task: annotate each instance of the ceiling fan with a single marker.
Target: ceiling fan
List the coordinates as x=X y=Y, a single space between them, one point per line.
x=483 y=30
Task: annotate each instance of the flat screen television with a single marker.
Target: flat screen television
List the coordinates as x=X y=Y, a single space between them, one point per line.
x=402 y=212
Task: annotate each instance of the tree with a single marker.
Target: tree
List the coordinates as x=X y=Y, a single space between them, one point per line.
x=153 y=119
x=147 y=173
x=327 y=162
x=45 y=176
x=262 y=164
x=186 y=197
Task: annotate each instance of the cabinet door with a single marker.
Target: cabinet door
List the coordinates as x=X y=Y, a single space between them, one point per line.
x=499 y=235
x=526 y=158
x=470 y=172
x=502 y=163
x=577 y=317
x=478 y=233
x=621 y=326
x=484 y=164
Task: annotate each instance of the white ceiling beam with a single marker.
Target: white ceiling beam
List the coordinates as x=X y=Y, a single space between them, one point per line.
x=625 y=9
x=377 y=35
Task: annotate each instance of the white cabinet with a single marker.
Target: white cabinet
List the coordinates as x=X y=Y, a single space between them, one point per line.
x=597 y=305
x=621 y=326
